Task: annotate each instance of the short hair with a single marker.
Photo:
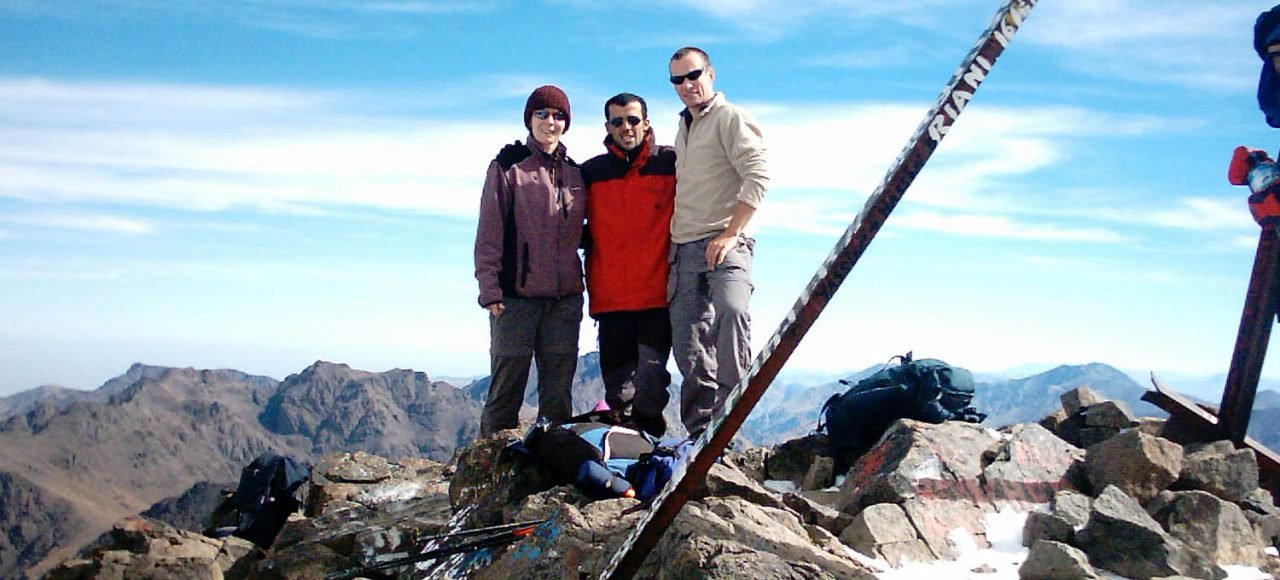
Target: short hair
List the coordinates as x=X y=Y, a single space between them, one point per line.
x=683 y=52
x=624 y=99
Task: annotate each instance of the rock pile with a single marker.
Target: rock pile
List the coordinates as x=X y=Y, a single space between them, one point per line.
x=1103 y=491
x=140 y=548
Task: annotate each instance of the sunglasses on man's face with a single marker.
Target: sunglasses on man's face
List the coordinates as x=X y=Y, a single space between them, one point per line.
x=632 y=120
x=542 y=114
x=691 y=75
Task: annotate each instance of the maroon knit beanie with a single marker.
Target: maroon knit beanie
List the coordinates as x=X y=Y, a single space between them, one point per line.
x=547 y=97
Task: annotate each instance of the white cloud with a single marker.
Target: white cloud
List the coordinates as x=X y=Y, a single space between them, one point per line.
x=994 y=226
x=214 y=148
x=309 y=18
x=1190 y=43
x=203 y=148
x=86 y=222
x=1204 y=214
x=33 y=272
x=849 y=147
x=861 y=59
x=1245 y=242
x=771 y=19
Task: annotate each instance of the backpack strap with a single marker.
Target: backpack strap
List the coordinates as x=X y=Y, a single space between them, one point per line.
x=822 y=415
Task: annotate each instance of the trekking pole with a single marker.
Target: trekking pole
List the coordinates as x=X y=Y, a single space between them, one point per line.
x=504 y=534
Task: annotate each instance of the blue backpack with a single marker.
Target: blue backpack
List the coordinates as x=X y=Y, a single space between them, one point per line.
x=652 y=472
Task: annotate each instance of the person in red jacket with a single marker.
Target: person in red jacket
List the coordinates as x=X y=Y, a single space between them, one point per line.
x=630 y=198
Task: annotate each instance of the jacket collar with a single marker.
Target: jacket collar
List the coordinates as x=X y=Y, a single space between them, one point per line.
x=716 y=99
x=635 y=157
x=533 y=146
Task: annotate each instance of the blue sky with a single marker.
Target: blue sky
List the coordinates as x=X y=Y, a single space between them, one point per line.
x=259 y=185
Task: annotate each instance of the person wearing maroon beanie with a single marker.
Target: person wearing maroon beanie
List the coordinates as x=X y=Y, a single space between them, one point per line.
x=528 y=267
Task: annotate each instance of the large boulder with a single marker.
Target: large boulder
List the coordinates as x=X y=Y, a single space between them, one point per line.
x=714 y=537
x=1072 y=506
x=1046 y=526
x=137 y=547
x=950 y=476
x=1138 y=464
x=883 y=531
x=1049 y=560
x=488 y=475
x=1075 y=400
x=1219 y=468
x=1210 y=525
x=815 y=514
x=792 y=459
x=1030 y=466
x=1122 y=538
x=919 y=460
x=760 y=542
x=821 y=474
x=362 y=508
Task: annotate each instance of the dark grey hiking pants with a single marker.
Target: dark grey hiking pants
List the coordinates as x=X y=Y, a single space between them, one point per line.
x=541 y=329
x=634 y=347
x=710 y=326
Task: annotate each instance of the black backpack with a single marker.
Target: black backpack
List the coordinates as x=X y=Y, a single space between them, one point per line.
x=590 y=452
x=925 y=390
x=266 y=496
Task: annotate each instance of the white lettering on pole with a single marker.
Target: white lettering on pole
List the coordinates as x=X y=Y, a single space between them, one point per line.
x=974 y=77
x=1007 y=25
x=938 y=127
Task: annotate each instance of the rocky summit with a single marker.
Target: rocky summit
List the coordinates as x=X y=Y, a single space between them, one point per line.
x=1131 y=503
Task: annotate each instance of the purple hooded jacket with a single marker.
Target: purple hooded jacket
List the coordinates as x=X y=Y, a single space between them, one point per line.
x=531 y=216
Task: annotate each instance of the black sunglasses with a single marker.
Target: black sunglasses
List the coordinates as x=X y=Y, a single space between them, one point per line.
x=691 y=75
x=633 y=120
x=542 y=114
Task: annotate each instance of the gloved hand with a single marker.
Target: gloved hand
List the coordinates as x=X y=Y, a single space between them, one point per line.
x=971 y=415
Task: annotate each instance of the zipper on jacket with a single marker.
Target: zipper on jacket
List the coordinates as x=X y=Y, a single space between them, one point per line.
x=557 y=183
x=524 y=271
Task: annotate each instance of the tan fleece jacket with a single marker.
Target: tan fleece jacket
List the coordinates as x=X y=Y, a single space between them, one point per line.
x=720 y=161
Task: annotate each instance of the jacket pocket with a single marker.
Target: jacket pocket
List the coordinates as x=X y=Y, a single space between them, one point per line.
x=524 y=265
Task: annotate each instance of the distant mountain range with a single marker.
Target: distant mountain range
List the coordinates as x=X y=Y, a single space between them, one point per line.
x=76 y=463
x=73 y=462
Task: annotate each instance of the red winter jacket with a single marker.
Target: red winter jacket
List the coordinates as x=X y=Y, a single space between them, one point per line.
x=629 y=204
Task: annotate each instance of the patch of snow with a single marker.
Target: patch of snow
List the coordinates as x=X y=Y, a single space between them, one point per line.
x=929 y=469
x=1004 y=557
x=1245 y=573
x=782 y=486
x=389 y=493
x=1006 y=554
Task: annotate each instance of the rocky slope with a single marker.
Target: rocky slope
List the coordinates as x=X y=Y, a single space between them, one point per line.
x=32 y=522
x=132 y=444
x=153 y=432
x=1133 y=504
